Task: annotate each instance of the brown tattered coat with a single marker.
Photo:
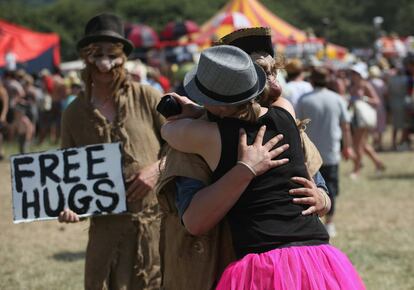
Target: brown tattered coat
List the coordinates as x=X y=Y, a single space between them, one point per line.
x=122 y=251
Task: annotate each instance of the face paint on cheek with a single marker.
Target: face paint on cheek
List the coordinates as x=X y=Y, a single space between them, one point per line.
x=105 y=64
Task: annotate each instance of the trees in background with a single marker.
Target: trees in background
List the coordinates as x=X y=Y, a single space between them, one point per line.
x=350 y=21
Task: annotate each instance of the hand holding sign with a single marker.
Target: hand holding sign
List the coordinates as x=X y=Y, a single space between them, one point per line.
x=143 y=182
x=68 y=216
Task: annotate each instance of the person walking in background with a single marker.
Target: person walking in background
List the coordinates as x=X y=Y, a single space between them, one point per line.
x=296 y=85
x=122 y=251
x=361 y=90
x=14 y=90
x=22 y=129
x=329 y=124
x=397 y=90
x=31 y=99
x=58 y=95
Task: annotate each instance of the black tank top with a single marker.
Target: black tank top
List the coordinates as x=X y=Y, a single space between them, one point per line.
x=265 y=218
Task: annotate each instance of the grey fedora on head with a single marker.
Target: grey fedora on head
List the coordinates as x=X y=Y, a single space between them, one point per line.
x=105 y=27
x=225 y=75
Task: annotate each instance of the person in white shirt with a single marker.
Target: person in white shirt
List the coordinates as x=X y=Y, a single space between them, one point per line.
x=296 y=85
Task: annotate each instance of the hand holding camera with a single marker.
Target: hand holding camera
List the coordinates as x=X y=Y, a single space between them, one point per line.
x=168 y=106
x=174 y=107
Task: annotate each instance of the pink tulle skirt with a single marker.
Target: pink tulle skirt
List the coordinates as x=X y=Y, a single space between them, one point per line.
x=321 y=267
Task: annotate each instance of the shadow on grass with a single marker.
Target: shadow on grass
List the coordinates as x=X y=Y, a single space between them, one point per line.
x=69 y=256
x=394 y=176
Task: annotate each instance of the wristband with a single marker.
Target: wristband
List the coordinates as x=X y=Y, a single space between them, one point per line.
x=248 y=167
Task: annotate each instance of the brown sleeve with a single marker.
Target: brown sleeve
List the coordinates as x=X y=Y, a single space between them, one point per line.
x=153 y=97
x=175 y=164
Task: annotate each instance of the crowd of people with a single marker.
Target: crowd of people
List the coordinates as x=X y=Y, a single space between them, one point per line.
x=32 y=105
x=388 y=88
x=387 y=85
x=237 y=134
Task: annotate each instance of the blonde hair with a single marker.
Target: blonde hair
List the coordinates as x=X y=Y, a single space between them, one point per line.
x=270 y=65
x=120 y=75
x=249 y=111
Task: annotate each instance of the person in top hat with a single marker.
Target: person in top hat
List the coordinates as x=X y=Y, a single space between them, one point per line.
x=202 y=265
x=122 y=251
x=276 y=246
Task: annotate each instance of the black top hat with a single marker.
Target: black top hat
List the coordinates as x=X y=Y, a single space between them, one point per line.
x=105 y=27
x=251 y=40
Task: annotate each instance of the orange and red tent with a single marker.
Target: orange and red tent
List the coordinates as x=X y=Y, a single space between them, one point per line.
x=255 y=14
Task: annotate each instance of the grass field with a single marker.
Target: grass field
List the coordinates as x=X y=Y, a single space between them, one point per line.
x=375 y=224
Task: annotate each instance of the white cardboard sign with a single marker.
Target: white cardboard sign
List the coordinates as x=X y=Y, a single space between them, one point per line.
x=88 y=180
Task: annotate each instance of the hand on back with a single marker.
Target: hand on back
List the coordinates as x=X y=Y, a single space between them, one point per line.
x=258 y=156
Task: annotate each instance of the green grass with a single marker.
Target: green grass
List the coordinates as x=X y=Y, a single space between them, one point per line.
x=38 y=255
x=375 y=224
x=10 y=148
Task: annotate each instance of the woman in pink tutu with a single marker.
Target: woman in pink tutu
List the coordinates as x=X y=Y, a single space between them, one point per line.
x=277 y=247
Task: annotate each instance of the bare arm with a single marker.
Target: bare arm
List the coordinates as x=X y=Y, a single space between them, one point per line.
x=189 y=135
x=67 y=141
x=212 y=203
x=346 y=134
x=373 y=98
x=347 y=150
x=285 y=104
x=194 y=136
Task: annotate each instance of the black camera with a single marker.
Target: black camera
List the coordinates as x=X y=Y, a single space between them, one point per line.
x=168 y=106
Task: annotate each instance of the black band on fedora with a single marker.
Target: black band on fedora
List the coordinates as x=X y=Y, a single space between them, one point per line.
x=226 y=98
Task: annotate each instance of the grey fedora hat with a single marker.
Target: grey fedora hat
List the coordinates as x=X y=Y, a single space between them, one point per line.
x=105 y=27
x=225 y=75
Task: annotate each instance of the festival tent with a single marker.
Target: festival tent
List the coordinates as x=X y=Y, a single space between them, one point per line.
x=394 y=46
x=33 y=51
x=284 y=34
